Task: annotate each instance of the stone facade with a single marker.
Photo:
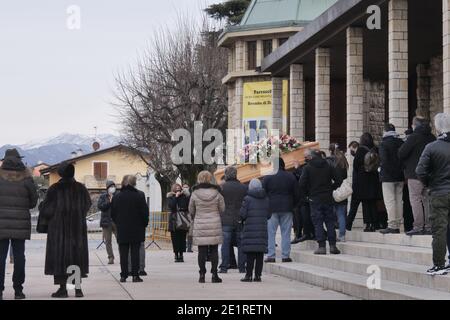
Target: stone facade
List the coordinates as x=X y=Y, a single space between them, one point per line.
x=277 y=104
x=374 y=109
x=297 y=102
x=323 y=83
x=446 y=51
x=398 y=64
x=430 y=88
x=355 y=84
x=436 y=86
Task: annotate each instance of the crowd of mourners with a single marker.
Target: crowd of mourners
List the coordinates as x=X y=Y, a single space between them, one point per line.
x=403 y=184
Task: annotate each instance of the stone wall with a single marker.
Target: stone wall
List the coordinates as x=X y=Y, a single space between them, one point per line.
x=436 y=86
x=430 y=93
x=374 y=108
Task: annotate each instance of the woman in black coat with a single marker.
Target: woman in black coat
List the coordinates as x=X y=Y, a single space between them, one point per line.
x=366 y=185
x=255 y=213
x=65 y=207
x=130 y=213
x=178 y=201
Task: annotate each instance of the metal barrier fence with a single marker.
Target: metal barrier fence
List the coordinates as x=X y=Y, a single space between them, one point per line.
x=158 y=228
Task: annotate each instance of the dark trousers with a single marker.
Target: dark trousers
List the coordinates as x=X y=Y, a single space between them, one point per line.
x=213 y=256
x=324 y=213
x=448 y=242
x=408 y=218
x=308 y=226
x=255 y=260
x=179 y=241
x=124 y=250
x=18 y=247
x=231 y=236
x=369 y=211
x=298 y=222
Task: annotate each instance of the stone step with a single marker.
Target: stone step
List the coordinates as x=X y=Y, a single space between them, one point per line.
x=396 y=239
x=406 y=273
x=406 y=254
x=352 y=284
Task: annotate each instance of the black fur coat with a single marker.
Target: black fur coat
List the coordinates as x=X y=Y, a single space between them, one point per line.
x=66 y=206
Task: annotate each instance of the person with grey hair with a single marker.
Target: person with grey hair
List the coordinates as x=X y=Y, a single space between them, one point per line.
x=409 y=154
x=433 y=171
x=130 y=213
x=233 y=192
x=255 y=213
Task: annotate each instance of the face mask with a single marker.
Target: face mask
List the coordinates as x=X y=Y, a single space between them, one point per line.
x=353 y=152
x=111 y=190
x=185 y=189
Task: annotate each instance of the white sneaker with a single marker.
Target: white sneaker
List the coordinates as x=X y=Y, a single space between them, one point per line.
x=341 y=239
x=437 y=271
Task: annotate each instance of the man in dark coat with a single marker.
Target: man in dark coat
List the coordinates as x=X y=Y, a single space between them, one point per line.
x=392 y=178
x=433 y=171
x=320 y=179
x=366 y=187
x=130 y=213
x=283 y=192
x=409 y=154
x=65 y=207
x=106 y=223
x=255 y=212
x=233 y=193
x=305 y=226
x=17 y=196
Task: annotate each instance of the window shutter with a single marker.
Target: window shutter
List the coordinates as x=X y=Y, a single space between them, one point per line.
x=101 y=170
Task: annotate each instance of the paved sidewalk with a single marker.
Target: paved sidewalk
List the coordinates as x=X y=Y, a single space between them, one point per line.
x=166 y=280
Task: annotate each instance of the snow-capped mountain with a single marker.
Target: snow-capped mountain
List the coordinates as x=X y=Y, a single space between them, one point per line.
x=60 y=148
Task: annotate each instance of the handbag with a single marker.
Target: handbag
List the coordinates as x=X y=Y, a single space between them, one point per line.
x=343 y=192
x=183 y=221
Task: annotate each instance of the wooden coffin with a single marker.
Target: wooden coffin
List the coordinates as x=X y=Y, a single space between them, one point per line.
x=247 y=172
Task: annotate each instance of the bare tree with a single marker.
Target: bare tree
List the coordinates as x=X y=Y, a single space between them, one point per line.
x=176 y=82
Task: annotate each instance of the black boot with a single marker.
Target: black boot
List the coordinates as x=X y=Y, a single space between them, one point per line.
x=61 y=293
x=247 y=278
x=202 y=278
x=176 y=257
x=79 y=293
x=18 y=295
x=180 y=257
x=215 y=278
x=137 y=279
x=368 y=228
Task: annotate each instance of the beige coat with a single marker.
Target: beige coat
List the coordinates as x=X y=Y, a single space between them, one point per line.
x=206 y=206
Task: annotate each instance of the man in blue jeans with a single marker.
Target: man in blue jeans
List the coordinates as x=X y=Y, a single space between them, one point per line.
x=283 y=192
x=319 y=179
x=233 y=193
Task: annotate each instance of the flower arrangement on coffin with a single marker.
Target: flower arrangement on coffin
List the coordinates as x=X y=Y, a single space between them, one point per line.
x=261 y=151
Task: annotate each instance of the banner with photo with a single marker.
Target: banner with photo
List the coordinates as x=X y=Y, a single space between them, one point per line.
x=257 y=110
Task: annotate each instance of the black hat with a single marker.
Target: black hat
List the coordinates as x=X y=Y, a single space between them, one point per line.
x=12 y=153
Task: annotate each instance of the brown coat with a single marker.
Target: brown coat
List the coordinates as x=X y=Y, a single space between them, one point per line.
x=206 y=206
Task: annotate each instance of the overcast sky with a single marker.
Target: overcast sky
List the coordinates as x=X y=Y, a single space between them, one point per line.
x=55 y=80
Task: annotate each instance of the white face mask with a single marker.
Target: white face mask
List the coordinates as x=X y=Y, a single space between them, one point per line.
x=112 y=190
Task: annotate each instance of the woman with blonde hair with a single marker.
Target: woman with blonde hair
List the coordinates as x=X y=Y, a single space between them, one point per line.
x=205 y=207
x=178 y=201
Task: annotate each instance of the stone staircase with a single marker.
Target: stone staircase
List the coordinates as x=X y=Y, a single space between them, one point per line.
x=402 y=262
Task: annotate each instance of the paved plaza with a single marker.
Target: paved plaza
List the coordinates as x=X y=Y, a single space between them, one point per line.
x=166 y=280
